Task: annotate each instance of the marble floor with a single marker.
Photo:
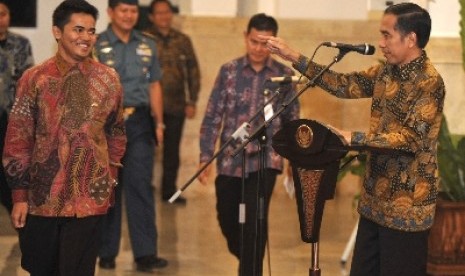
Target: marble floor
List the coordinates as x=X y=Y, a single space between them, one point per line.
x=190 y=239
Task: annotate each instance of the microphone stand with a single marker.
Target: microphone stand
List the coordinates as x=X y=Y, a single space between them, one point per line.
x=260 y=134
x=240 y=134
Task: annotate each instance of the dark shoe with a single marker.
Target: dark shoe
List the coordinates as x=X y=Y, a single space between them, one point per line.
x=107 y=263
x=149 y=263
x=180 y=200
x=159 y=262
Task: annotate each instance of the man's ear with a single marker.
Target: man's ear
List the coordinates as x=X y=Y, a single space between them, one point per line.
x=412 y=37
x=56 y=32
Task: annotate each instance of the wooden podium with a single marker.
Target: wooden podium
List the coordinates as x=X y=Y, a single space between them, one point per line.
x=314 y=152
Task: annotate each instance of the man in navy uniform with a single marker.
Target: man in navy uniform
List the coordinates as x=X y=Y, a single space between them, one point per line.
x=134 y=56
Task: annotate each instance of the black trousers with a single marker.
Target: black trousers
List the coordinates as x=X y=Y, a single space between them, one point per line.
x=172 y=140
x=228 y=193
x=5 y=191
x=62 y=246
x=381 y=251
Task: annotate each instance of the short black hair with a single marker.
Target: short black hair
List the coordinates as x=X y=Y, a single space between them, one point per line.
x=113 y=3
x=412 y=18
x=63 y=12
x=6 y=5
x=154 y=2
x=263 y=22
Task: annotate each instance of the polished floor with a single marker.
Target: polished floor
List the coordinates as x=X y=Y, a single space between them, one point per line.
x=189 y=237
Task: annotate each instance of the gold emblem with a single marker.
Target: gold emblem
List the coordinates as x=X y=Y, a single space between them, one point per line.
x=127 y=112
x=304 y=136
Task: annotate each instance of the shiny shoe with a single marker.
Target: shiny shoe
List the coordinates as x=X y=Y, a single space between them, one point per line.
x=149 y=263
x=107 y=263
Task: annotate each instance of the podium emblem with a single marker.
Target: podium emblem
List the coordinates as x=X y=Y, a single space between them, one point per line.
x=304 y=136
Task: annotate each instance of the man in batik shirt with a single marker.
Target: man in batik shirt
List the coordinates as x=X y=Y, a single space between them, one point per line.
x=181 y=85
x=238 y=94
x=64 y=142
x=400 y=188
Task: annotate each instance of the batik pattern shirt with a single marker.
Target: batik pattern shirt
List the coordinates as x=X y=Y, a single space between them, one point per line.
x=401 y=182
x=237 y=95
x=65 y=131
x=15 y=58
x=181 y=73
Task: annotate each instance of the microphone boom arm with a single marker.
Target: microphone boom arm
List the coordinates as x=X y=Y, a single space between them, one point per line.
x=283 y=107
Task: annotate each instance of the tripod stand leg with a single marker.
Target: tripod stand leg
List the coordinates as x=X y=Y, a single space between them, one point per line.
x=349 y=246
x=314 y=268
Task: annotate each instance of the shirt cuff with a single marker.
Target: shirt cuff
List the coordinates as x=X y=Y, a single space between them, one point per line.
x=358 y=138
x=302 y=64
x=19 y=195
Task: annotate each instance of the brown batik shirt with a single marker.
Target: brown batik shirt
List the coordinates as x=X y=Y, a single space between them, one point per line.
x=180 y=70
x=401 y=181
x=65 y=134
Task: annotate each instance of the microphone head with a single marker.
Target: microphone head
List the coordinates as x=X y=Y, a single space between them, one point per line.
x=370 y=50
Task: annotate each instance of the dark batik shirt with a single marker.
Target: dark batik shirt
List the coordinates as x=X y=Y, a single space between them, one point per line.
x=401 y=182
x=15 y=58
x=237 y=95
x=65 y=129
x=181 y=73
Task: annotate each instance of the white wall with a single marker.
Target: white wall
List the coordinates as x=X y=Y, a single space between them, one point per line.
x=445 y=15
x=43 y=43
x=322 y=9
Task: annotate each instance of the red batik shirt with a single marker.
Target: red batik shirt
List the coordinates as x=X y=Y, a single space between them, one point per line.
x=65 y=129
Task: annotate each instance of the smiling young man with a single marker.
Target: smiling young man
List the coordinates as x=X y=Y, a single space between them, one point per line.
x=400 y=188
x=64 y=142
x=238 y=93
x=134 y=56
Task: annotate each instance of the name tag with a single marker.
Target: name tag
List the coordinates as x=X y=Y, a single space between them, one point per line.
x=144 y=52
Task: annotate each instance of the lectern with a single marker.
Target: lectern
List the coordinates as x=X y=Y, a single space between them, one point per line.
x=314 y=152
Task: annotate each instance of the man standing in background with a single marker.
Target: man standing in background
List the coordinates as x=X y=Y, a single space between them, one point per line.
x=180 y=71
x=237 y=95
x=134 y=56
x=15 y=58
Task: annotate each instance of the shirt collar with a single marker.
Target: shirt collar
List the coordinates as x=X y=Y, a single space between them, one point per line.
x=64 y=67
x=269 y=65
x=157 y=32
x=112 y=38
x=409 y=70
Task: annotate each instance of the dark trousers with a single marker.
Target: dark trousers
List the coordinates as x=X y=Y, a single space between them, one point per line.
x=5 y=191
x=381 y=251
x=172 y=140
x=135 y=182
x=228 y=193
x=52 y=246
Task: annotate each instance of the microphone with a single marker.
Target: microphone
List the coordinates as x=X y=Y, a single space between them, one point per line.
x=364 y=49
x=288 y=79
